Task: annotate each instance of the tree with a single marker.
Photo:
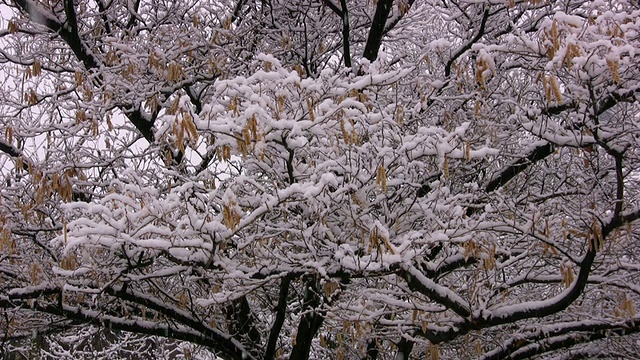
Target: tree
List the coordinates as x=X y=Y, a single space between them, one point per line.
x=320 y=179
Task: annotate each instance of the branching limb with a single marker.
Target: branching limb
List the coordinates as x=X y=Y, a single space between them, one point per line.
x=241 y=322
x=310 y=322
x=333 y=7
x=391 y=24
x=467 y=46
x=559 y=336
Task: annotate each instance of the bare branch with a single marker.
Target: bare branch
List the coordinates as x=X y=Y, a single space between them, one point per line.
x=376 y=33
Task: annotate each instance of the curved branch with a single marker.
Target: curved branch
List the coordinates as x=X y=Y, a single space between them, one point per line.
x=137 y=326
x=467 y=46
x=395 y=20
x=512 y=313
x=535 y=309
x=538 y=153
x=69 y=33
x=560 y=335
x=195 y=331
x=216 y=339
x=333 y=7
x=417 y=281
x=14 y=153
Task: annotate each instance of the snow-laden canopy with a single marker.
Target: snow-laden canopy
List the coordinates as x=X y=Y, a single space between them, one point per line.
x=320 y=179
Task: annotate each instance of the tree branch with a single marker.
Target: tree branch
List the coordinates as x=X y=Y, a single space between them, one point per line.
x=394 y=21
x=133 y=12
x=281 y=309
x=372 y=350
x=377 y=30
x=440 y=294
x=69 y=33
x=544 y=340
x=241 y=323
x=216 y=338
x=139 y=326
x=535 y=309
x=14 y=153
x=467 y=46
x=538 y=153
x=310 y=322
x=405 y=346
x=345 y=34
x=333 y=7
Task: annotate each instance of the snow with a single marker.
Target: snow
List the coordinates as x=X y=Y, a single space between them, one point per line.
x=441 y=291
x=290 y=195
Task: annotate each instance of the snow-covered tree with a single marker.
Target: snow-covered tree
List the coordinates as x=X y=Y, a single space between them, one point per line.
x=320 y=179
